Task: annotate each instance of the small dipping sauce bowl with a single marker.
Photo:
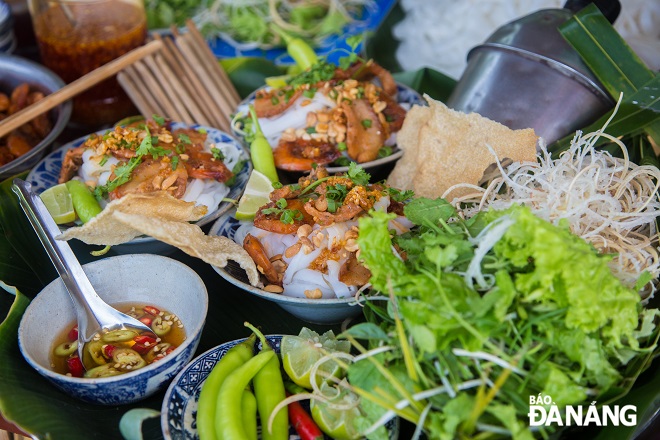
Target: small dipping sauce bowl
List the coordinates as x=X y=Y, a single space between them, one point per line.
x=138 y=279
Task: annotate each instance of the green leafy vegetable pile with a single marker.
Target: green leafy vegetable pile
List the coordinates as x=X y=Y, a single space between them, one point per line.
x=251 y=22
x=485 y=313
x=161 y=14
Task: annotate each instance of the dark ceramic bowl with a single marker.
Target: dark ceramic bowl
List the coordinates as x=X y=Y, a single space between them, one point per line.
x=14 y=71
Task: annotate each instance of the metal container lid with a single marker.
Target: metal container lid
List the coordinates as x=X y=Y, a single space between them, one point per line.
x=537 y=33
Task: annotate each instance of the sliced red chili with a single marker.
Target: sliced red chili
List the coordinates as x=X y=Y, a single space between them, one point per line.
x=75 y=367
x=146 y=320
x=108 y=350
x=141 y=348
x=152 y=310
x=73 y=333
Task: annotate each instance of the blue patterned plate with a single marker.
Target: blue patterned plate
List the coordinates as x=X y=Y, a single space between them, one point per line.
x=46 y=173
x=179 y=410
x=333 y=47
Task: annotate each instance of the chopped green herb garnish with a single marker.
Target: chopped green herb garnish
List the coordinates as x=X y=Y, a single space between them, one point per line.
x=184 y=138
x=366 y=123
x=201 y=130
x=311 y=130
x=175 y=162
x=274 y=100
x=399 y=195
x=310 y=93
x=159 y=119
x=358 y=175
x=385 y=151
x=103 y=160
x=286 y=216
x=341 y=146
x=217 y=153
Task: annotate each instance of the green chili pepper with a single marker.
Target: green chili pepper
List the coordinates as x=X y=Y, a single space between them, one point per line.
x=249 y=413
x=301 y=52
x=261 y=152
x=84 y=202
x=208 y=397
x=228 y=420
x=269 y=391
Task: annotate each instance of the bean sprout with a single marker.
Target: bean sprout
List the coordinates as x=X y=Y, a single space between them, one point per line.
x=610 y=202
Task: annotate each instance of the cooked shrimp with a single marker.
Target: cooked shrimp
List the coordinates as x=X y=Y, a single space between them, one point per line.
x=202 y=165
x=346 y=212
x=151 y=176
x=300 y=155
x=272 y=102
x=71 y=163
x=272 y=222
x=364 y=71
x=257 y=252
x=353 y=273
x=363 y=139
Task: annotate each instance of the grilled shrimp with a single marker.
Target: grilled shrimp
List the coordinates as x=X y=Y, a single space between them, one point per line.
x=300 y=155
x=151 y=176
x=257 y=252
x=72 y=161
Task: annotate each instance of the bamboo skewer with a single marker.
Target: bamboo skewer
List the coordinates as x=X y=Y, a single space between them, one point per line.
x=80 y=85
x=198 y=90
x=215 y=69
x=212 y=93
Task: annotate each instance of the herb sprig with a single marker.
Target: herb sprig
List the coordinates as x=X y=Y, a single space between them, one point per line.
x=285 y=215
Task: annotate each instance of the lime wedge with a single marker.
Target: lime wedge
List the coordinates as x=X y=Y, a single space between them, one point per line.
x=255 y=196
x=277 y=81
x=337 y=423
x=58 y=202
x=300 y=353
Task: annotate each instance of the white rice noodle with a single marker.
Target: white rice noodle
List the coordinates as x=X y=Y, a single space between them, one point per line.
x=91 y=169
x=294 y=117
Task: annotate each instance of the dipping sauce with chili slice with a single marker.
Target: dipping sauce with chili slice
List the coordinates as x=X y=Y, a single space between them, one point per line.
x=119 y=351
x=78 y=36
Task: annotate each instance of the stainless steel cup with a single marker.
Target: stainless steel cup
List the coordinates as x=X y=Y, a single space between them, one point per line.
x=526 y=75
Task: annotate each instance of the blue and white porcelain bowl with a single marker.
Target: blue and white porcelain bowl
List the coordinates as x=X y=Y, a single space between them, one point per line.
x=46 y=173
x=179 y=410
x=139 y=278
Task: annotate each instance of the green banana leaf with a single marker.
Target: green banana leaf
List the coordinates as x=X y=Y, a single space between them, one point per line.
x=41 y=409
x=30 y=268
x=619 y=70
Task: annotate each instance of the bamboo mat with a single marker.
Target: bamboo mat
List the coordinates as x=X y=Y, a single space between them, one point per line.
x=183 y=82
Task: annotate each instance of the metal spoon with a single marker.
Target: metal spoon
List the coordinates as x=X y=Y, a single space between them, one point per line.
x=92 y=313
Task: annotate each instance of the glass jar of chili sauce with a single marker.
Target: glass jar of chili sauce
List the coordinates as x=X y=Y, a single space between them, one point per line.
x=78 y=36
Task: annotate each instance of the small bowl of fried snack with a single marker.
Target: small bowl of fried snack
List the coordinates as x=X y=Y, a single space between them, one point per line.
x=120 y=366
x=22 y=83
x=331 y=116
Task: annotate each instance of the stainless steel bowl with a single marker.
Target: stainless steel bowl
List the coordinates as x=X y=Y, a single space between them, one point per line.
x=527 y=76
x=15 y=70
